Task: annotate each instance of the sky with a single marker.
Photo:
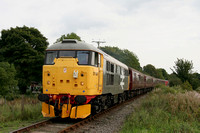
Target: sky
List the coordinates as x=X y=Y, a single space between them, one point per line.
x=157 y=31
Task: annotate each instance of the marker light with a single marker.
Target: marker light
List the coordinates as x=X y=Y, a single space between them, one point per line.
x=54 y=97
x=82 y=83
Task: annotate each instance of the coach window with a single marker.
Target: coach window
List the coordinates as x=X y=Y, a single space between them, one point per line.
x=135 y=76
x=139 y=78
x=116 y=68
x=107 y=65
x=50 y=56
x=83 y=57
x=122 y=71
x=112 y=68
x=126 y=72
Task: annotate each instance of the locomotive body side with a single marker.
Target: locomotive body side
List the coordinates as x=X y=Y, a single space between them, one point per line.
x=115 y=76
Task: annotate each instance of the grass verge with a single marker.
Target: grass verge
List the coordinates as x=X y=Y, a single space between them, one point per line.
x=19 y=113
x=166 y=110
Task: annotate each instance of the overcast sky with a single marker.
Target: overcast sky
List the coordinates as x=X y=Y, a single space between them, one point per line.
x=157 y=31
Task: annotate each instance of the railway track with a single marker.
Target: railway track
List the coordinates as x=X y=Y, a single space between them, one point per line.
x=58 y=125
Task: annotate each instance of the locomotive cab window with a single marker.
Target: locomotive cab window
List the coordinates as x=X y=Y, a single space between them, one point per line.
x=50 y=56
x=83 y=57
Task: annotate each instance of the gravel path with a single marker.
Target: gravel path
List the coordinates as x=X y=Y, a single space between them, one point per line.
x=112 y=121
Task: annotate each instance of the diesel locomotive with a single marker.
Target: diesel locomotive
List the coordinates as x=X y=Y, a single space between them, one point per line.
x=80 y=79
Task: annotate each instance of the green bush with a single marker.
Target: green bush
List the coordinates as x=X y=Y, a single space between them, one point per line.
x=198 y=89
x=167 y=89
x=178 y=89
x=186 y=86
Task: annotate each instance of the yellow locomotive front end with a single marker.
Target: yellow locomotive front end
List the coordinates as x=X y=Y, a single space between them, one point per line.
x=71 y=80
x=66 y=76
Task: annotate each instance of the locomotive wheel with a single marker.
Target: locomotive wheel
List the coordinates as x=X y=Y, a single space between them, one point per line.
x=98 y=109
x=120 y=99
x=108 y=101
x=124 y=97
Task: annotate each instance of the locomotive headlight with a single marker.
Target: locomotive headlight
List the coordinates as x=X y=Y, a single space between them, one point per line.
x=82 y=83
x=48 y=82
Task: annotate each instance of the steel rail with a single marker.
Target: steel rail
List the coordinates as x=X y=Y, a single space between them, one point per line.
x=87 y=120
x=76 y=125
x=35 y=125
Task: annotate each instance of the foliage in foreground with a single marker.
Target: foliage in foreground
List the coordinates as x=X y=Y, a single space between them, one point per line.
x=166 y=110
x=12 y=113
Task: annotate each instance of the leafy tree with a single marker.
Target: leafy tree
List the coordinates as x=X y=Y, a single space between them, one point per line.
x=7 y=78
x=159 y=74
x=163 y=73
x=174 y=80
x=152 y=71
x=69 y=36
x=195 y=80
x=125 y=56
x=25 y=48
x=183 y=69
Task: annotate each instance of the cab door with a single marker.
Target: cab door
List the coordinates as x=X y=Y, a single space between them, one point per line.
x=100 y=73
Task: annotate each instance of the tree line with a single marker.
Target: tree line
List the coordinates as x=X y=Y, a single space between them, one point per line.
x=22 y=53
x=182 y=73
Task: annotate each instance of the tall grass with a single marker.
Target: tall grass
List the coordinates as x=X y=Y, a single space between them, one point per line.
x=19 y=110
x=166 y=110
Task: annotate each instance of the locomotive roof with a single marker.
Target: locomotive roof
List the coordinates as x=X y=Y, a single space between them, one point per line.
x=72 y=44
